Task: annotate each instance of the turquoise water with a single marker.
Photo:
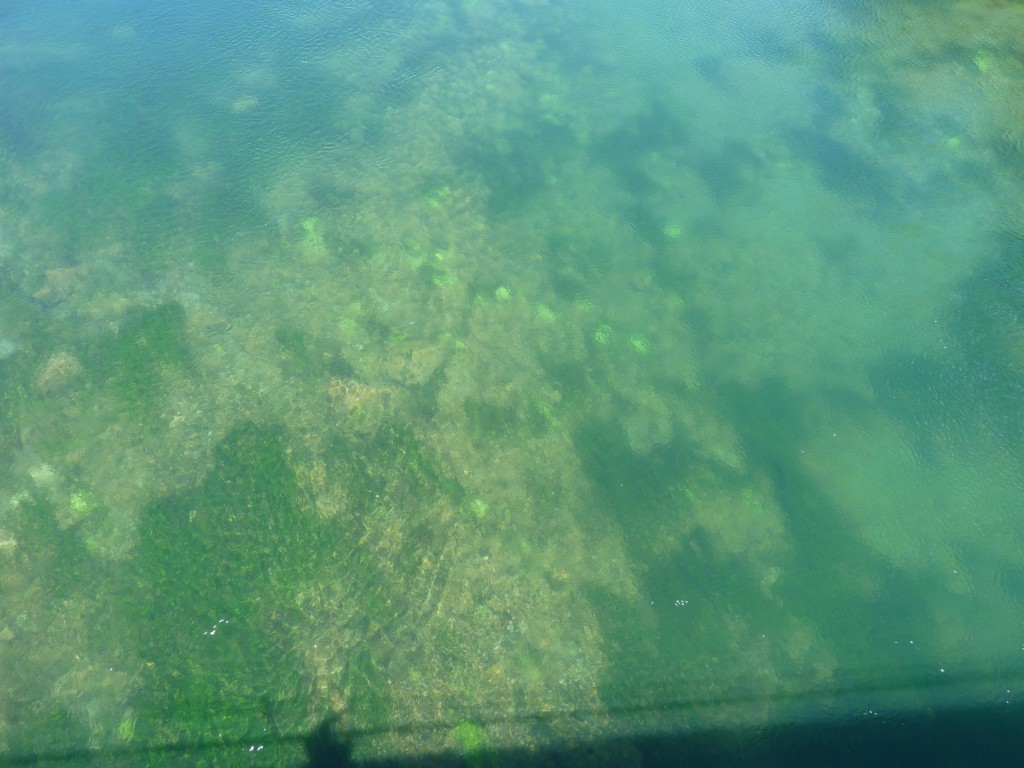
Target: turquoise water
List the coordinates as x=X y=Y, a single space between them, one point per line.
x=480 y=374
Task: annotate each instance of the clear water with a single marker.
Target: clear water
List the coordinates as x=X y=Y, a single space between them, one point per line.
x=485 y=373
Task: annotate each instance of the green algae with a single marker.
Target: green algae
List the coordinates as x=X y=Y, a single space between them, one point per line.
x=136 y=361
x=470 y=737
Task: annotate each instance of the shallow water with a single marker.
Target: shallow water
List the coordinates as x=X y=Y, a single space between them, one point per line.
x=455 y=367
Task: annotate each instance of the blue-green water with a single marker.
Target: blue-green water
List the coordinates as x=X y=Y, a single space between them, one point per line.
x=485 y=373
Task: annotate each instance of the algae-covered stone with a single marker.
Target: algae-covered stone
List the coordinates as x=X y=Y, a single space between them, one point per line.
x=470 y=737
x=79 y=505
x=58 y=373
x=639 y=344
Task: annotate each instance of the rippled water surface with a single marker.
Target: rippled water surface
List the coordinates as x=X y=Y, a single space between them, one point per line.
x=483 y=373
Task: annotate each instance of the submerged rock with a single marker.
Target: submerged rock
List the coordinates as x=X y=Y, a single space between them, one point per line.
x=59 y=372
x=60 y=285
x=7 y=348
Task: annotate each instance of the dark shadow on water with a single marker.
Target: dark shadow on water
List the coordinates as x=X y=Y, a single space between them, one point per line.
x=629 y=484
x=977 y=386
x=840 y=580
x=845 y=170
x=517 y=168
x=729 y=171
x=952 y=735
x=623 y=149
